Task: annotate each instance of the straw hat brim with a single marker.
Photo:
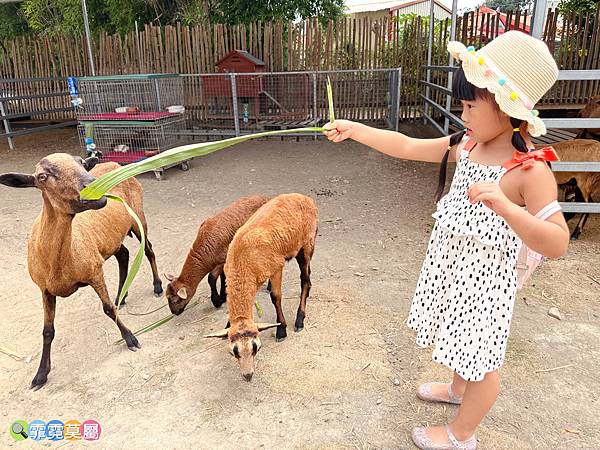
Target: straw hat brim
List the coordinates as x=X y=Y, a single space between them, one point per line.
x=476 y=75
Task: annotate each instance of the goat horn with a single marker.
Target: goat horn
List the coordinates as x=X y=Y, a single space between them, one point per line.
x=168 y=276
x=266 y=326
x=219 y=334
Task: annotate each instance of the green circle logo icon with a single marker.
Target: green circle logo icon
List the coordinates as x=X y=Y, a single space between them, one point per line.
x=19 y=430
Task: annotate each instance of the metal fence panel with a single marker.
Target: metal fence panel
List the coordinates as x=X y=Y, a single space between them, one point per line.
x=36 y=98
x=227 y=103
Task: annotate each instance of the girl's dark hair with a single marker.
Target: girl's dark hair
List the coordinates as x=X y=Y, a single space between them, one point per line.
x=463 y=90
x=454 y=140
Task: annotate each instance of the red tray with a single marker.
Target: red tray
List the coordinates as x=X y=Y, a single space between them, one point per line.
x=123 y=157
x=128 y=116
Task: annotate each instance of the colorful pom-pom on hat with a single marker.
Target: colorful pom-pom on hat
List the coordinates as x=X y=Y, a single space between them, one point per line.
x=516 y=68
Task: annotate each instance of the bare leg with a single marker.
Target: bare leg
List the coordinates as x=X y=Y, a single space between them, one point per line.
x=440 y=390
x=478 y=399
x=41 y=376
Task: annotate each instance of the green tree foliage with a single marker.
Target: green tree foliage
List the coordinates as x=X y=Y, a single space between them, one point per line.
x=509 y=5
x=12 y=21
x=65 y=17
x=577 y=6
x=234 y=12
x=62 y=17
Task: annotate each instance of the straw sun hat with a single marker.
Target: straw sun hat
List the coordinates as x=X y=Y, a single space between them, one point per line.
x=516 y=68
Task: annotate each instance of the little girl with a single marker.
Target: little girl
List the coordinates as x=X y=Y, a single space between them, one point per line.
x=466 y=290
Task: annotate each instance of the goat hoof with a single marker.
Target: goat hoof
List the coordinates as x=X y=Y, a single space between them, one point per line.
x=299 y=324
x=38 y=382
x=158 y=290
x=132 y=342
x=280 y=335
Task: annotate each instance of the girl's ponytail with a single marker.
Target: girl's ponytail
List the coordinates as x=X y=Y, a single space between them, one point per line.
x=454 y=140
x=517 y=140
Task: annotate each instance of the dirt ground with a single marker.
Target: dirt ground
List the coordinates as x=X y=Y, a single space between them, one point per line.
x=348 y=380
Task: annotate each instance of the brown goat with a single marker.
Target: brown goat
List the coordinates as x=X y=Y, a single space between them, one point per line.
x=208 y=253
x=590 y=111
x=581 y=186
x=282 y=229
x=71 y=239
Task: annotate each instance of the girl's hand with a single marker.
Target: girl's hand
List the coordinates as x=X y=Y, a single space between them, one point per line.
x=339 y=130
x=491 y=196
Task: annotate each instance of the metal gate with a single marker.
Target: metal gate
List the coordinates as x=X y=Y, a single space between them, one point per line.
x=239 y=103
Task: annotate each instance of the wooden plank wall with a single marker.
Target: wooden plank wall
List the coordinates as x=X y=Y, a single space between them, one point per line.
x=309 y=45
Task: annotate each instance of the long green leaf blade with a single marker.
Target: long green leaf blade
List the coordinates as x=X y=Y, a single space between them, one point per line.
x=330 y=101
x=106 y=182
x=158 y=323
x=137 y=261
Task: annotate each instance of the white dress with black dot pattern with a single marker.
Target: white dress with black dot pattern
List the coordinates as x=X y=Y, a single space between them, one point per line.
x=466 y=290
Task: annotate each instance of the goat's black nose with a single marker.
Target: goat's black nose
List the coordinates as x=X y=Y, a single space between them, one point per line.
x=248 y=376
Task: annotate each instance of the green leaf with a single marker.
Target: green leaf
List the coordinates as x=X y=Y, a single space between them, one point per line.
x=106 y=182
x=259 y=310
x=137 y=261
x=330 y=100
x=158 y=323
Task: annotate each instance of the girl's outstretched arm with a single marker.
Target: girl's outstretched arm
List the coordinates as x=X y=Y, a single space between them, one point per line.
x=538 y=188
x=390 y=142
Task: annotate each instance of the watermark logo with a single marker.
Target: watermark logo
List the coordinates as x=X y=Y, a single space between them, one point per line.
x=37 y=430
x=72 y=430
x=90 y=430
x=56 y=430
x=19 y=430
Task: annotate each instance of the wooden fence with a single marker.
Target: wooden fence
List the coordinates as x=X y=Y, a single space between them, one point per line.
x=348 y=43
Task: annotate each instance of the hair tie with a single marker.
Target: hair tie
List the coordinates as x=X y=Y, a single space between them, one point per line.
x=516 y=130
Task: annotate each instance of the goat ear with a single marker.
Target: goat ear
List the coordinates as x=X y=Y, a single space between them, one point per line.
x=169 y=276
x=219 y=334
x=182 y=292
x=266 y=326
x=17 y=180
x=90 y=163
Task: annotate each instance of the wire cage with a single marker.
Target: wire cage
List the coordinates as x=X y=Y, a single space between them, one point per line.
x=131 y=141
x=227 y=103
x=141 y=93
x=131 y=117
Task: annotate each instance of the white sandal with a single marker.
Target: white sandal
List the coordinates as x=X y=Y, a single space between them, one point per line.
x=421 y=440
x=424 y=392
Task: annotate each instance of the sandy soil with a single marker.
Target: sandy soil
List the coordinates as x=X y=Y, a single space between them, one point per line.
x=348 y=380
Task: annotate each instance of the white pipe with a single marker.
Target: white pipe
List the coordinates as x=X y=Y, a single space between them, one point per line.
x=87 y=37
x=537 y=19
